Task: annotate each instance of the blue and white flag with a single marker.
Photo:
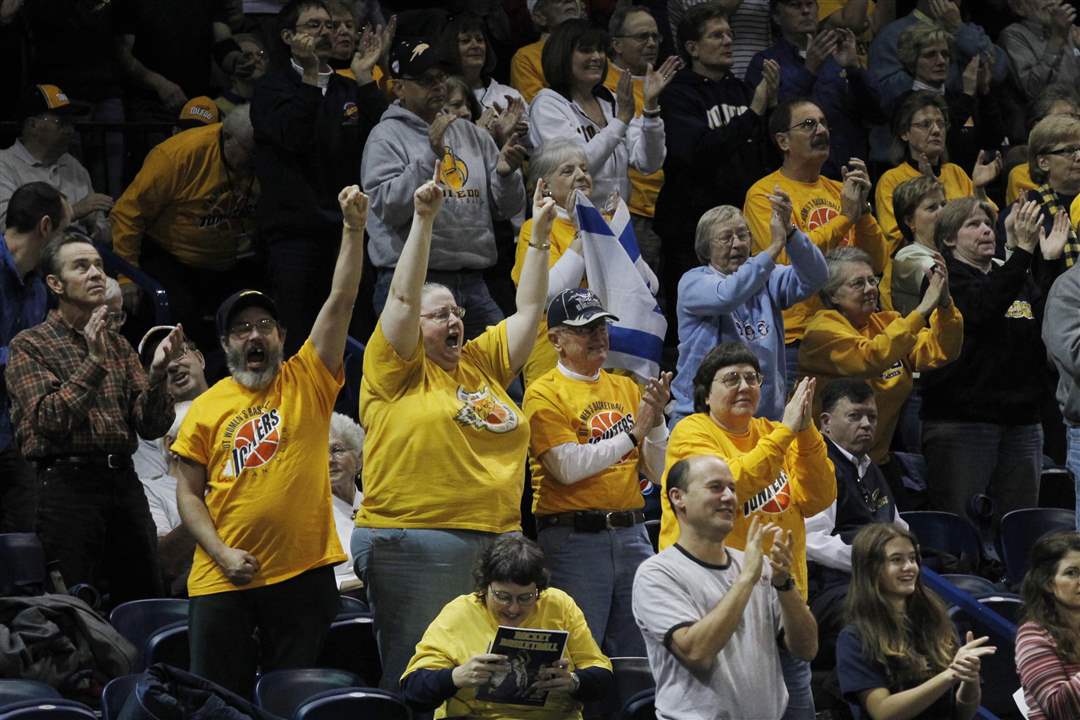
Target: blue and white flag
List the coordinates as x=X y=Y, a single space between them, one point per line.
x=626 y=286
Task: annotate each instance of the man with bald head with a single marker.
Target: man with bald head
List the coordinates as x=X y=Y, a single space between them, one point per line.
x=712 y=616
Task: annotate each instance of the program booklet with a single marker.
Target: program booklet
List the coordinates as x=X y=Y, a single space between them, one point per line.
x=528 y=649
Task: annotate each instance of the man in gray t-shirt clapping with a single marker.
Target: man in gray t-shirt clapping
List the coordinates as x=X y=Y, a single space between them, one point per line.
x=710 y=619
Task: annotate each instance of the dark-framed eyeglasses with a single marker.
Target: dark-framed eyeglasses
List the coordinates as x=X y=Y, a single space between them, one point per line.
x=505 y=598
x=313 y=26
x=810 y=125
x=927 y=125
x=1072 y=150
x=869 y=281
x=263 y=326
x=429 y=80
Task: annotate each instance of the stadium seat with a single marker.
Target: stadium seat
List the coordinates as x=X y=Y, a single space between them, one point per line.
x=351 y=607
x=23 y=570
x=353 y=704
x=946 y=532
x=116 y=693
x=51 y=709
x=640 y=707
x=632 y=675
x=169 y=645
x=17 y=691
x=974 y=584
x=1020 y=529
x=281 y=692
x=999 y=679
x=1057 y=489
x=350 y=645
x=139 y=619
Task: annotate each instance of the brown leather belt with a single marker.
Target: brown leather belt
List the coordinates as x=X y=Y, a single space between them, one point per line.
x=591 y=520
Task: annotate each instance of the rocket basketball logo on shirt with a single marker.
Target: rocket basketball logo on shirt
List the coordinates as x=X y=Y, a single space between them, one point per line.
x=453 y=171
x=603 y=420
x=253 y=439
x=817 y=213
x=483 y=411
x=774 y=499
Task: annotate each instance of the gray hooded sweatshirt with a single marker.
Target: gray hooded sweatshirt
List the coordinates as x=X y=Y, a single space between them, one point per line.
x=398 y=159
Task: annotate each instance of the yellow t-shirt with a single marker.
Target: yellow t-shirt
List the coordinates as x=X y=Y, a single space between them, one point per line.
x=1019 y=183
x=1074 y=214
x=643 y=188
x=443 y=450
x=268 y=478
x=565 y=410
x=885 y=353
x=526 y=70
x=183 y=200
x=464 y=628
x=377 y=75
x=816 y=211
x=956 y=182
x=782 y=476
x=543 y=356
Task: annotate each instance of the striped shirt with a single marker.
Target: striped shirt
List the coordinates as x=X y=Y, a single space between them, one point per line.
x=1051 y=684
x=749 y=24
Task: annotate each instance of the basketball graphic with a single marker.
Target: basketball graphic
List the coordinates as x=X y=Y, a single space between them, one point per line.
x=452 y=170
x=256 y=442
x=601 y=423
x=779 y=502
x=818 y=217
x=484 y=411
x=774 y=499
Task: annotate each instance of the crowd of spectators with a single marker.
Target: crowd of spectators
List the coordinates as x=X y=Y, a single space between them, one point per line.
x=860 y=221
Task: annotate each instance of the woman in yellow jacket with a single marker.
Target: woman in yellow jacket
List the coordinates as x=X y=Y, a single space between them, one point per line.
x=851 y=338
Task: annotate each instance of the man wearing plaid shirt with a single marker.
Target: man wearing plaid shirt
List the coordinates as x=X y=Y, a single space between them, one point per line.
x=78 y=397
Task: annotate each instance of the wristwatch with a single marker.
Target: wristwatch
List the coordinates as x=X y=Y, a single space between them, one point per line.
x=577 y=682
x=789 y=584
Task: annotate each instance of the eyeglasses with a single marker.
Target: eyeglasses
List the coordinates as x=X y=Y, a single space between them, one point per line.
x=732 y=380
x=313 y=26
x=117 y=318
x=927 y=125
x=443 y=316
x=429 y=80
x=729 y=238
x=254 y=54
x=1072 y=150
x=642 y=37
x=265 y=326
x=587 y=330
x=810 y=125
x=339 y=449
x=858 y=283
x=505 y=598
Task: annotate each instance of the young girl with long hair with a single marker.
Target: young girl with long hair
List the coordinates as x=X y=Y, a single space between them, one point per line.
x=899 y=656
x=1048 y=642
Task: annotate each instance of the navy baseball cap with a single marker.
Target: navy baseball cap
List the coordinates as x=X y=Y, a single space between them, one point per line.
x=411 y=58
x=240 y=300
x=576 y=307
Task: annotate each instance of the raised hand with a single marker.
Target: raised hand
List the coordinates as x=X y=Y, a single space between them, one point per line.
x=988 y=165
x=544 y=207
x=1023 y=224
x=170 y=94
x=428 y=198
x=1052 y=246
x=658 y=79
x=511 y=157
x=437 y=132
x=856 y=189
x=304 y=49
x=94 y=332
x=754 y=553
x=937 y=283
x=650 y=410
x=171 y=348
x=477 y=670
x=767 y=88
x=847 y=49
x=511 y=120
x=820 y=48
x=798 y=412
x=781 y=557
x=969 y=80
x=354 y=207
x=986 y=73
x=967 y=662
x=948 y=12
x=624 y=98
x=780 y=218
x=92 y=203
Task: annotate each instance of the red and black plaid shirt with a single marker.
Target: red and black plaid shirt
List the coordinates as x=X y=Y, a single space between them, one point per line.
x=64 y=403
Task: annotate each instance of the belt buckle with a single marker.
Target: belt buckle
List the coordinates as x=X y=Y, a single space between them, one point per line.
x=112 y=461
x=607 y=519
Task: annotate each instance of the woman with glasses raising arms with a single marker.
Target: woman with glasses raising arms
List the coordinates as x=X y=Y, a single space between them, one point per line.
x=452 y=662
x=852 y=338
x=446 y=446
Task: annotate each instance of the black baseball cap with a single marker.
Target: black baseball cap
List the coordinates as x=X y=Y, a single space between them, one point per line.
x=576 y=307
x=412 y=57
x=41 y=99
x=239 y=301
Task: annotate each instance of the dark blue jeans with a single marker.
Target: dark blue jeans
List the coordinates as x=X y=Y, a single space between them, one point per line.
x=97 y=524
x=469 y=289
x=18 y=492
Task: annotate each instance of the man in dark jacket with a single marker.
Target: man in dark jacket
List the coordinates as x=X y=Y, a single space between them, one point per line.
x=717 y=142
x=310 y=128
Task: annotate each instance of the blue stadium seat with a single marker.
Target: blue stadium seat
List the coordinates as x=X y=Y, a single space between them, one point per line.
x=1020 y=529
x=945 y=532
x=139 y=619
x=351 y=607
x=51 y=709
x=350 y=645
x=352 y=704
x=281 y=692
x=632 y=675
x=973 y=584
x=169 y=645
x=23 y=569
x=16 y=691
x=640 y=707
x=116 y=693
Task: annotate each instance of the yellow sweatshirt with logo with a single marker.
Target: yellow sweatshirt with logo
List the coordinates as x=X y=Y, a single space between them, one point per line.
x=956 y=182
x=885 y=353
x=782 y=476
x=526 y=70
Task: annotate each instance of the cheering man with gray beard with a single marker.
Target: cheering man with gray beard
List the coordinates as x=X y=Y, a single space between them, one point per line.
x=253 y=485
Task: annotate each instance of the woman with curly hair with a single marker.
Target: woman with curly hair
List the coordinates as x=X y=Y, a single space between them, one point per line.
x=1048 y=642
x=899 y=656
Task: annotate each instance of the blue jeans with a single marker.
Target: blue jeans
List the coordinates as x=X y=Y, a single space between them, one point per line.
x=1072 y=461
x=410 y=574
x=597 y=570
x=469 y=289
x=965 y=458
x=800 y=704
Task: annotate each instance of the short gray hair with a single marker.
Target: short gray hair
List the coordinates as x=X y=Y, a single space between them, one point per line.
x=836 y=260
x=237 y=125
x=707 y=227
x=348 y=431
x=549 y=158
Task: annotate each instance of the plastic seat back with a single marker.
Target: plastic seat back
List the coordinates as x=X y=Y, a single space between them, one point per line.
x=169 y=645
x=281 y=692
x=51 y=709
x=350 y=645
x=1020 y=529
x=640 y=707
x=17 y=691
x=353 y=704
x=946 y=532
x=632 y=675
x=139 y=619
x=115 y=694
x=23 y=570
